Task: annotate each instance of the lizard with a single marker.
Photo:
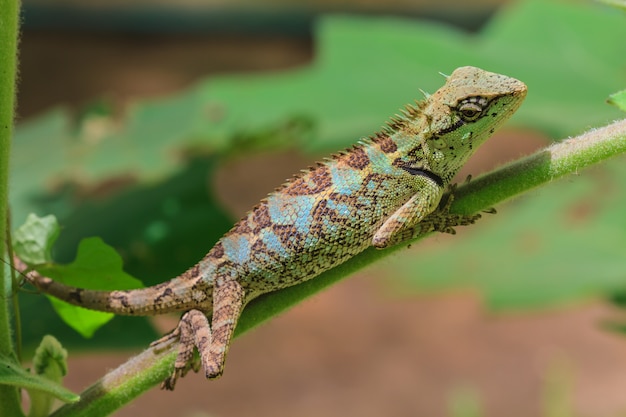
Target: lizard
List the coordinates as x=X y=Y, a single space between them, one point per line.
x=383 y=191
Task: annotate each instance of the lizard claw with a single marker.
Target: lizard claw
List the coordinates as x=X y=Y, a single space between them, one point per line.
x=170 y=382
x=449 y=230
x=179 y=372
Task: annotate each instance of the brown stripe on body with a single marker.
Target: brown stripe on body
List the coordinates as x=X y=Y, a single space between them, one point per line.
x=313 y=182
x=261 y=216
x=385 y=143
x=357 y=158
x=192 y=273
x=216 y=252
x=321 y=211
x=289 y=236
x=241 y=228
x=261 y=253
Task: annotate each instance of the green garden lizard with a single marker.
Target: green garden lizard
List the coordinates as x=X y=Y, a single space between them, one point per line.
x=383 y=191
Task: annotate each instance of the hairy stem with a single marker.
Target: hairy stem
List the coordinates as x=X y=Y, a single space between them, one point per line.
x=9 y=13
x=149 y=368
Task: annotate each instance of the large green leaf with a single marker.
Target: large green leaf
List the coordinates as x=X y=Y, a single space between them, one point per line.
x=97 y=266
x=365 y=69
x=144 y=183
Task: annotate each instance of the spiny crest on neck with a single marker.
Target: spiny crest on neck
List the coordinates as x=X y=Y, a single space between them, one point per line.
x=397 y=122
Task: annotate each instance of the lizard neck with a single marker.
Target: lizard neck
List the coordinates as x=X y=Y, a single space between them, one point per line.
x=416 y=155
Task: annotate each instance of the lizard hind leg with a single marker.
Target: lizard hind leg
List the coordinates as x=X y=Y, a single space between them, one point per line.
x=228 y=301
x=193 y=329
x=212 y=341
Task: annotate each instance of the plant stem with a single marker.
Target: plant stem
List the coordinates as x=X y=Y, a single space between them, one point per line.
x=148 y=368
x=9 y=15
x=562 y=158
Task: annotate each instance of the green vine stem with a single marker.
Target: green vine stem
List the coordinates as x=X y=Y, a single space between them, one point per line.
x=147 y=369
x=9 y=14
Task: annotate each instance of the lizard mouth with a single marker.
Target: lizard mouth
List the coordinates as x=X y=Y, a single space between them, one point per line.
x=424 y=173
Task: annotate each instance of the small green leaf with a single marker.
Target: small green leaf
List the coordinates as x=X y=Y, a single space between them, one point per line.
x=50 y=362
x=11 y=373
x=34 y=239
x=618 y=99
x=97 y=266
x=50 y=359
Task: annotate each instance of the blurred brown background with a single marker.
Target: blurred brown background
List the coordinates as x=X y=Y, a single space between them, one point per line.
x=358 y=348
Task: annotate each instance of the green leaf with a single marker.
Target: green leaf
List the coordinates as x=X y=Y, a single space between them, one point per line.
x=618 y=99
x=50 y=362
x=365 y=70
x=84 y=321
x=11 y=373
x=569 y=74
x=50 y=359
x=34 y=239
x=165 y=152
x=97 y=266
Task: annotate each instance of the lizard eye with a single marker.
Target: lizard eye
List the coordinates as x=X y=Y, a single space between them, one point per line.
x=471 y=109
x=469 y=112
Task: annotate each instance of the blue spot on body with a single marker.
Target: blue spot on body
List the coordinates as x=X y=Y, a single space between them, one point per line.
x=345 y=180
x=303 y=223
x=379 y=162
x=273 y=243
x=296 y=211
x=364 y=201
x=341 y=208
x=237 y=248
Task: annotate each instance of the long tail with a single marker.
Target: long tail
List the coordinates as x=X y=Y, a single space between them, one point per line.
x=179 y=294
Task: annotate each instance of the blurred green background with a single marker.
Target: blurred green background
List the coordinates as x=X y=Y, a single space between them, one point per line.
x=156 y=125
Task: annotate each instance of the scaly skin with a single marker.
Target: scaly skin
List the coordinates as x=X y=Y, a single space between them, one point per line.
x=381 y=192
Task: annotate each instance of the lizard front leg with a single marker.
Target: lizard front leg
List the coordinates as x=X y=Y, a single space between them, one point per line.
x=212 y=341
x=402 y=224
x=397 y=229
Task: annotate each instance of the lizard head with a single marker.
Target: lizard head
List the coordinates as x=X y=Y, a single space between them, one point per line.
x=464 y=113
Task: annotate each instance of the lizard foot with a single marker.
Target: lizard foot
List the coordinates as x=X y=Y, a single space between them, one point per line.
x=169 y=383
x=193 y=331
x=444 y=221
x=192 y=326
